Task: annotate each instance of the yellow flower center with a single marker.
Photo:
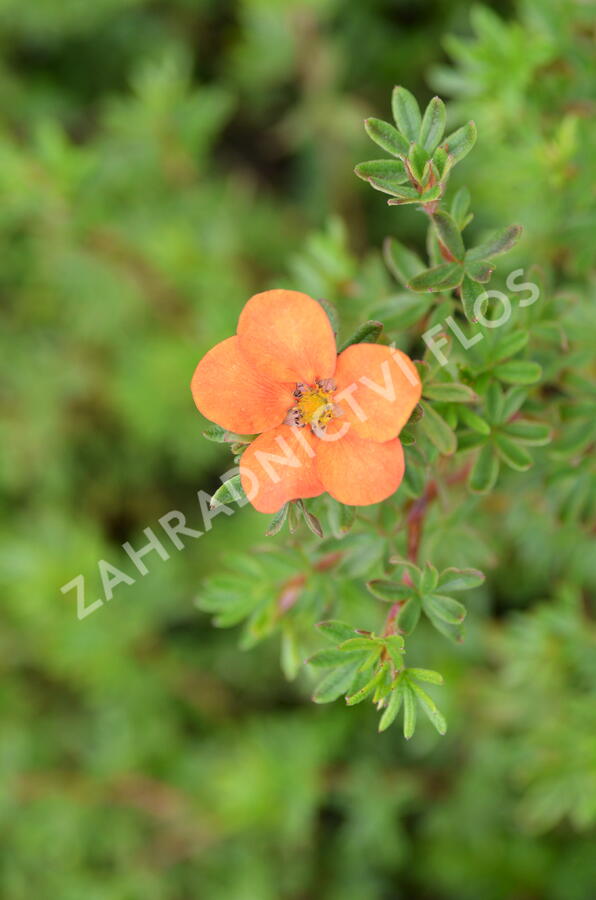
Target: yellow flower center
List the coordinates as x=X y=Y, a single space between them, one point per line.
x=314 y=405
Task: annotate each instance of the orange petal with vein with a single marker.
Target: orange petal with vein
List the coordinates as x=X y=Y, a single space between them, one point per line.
x=229 y=391
x=380 y=386
x=279 y=466
x=358 y=472
x=288 y=336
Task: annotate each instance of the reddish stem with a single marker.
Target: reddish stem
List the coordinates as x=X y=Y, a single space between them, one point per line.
x=414 y=527
x=292 y=588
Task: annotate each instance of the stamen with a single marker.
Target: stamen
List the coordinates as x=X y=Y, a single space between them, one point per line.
x=314 y=406
x=327 y=384
x=294 y=418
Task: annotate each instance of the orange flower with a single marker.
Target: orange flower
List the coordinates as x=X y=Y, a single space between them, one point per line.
x=328 y=422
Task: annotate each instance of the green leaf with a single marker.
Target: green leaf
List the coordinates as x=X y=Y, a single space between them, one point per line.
x=485 y=471
x=428 y=579
x=403 y=310
x=445 y=608
x=425 y=675
x=333 y=657
x=392 y=170
x=278 y=520
x=392 y=709
x=415 y=416
x=460 y=579
x=389 y=591
x=368 y=688
x=360 y=679
x=336 y=683
x=409 y=615
x=479 y=270
x=443 y=163
x=526 y=432
x=438 y=431
x=494 y=402
x=368 y=662
x=395 y=647
x=290 y=660
x=396 y=641
x=452 y=392
x=448 y=234
x=385 y=684
x=433 y=125
x=231 y=491
x=469 y=295
x=406 y=113
x=367 y=333
x=404 y=567
x=404 y=195
x=514 y=399
x=473 y=421
x=216 y=434
x=387 y=137
x=513 y=454
x=415 y=475
x=400 y=195
x=335 y=631
x=459 y=207
x=451 y=632
x=470 y=440
x=500 y=242
x=450 y=416
x=427 y=196
x=226 y=597
x=509 y=345
x=430 y=708
x=440 y=278
x=575 y=437
x=331 y=312
x=347 y=517
x=311 y=520
x=401 y=262
x=362 y=643
x=519 y=372
x=417 y=160
x=460 y=142
x=409 y=711
x=293 y=516
x=313 y=523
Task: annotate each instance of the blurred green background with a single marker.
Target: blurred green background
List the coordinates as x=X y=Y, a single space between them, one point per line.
x=159 y=163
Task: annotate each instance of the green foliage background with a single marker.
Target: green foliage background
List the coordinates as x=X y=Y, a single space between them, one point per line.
x=159 y=163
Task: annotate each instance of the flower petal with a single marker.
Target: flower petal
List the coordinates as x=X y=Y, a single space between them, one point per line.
x=380 y=386
x=287 y=335
x=358 y=472
x=279 y=466
x=227 y=390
